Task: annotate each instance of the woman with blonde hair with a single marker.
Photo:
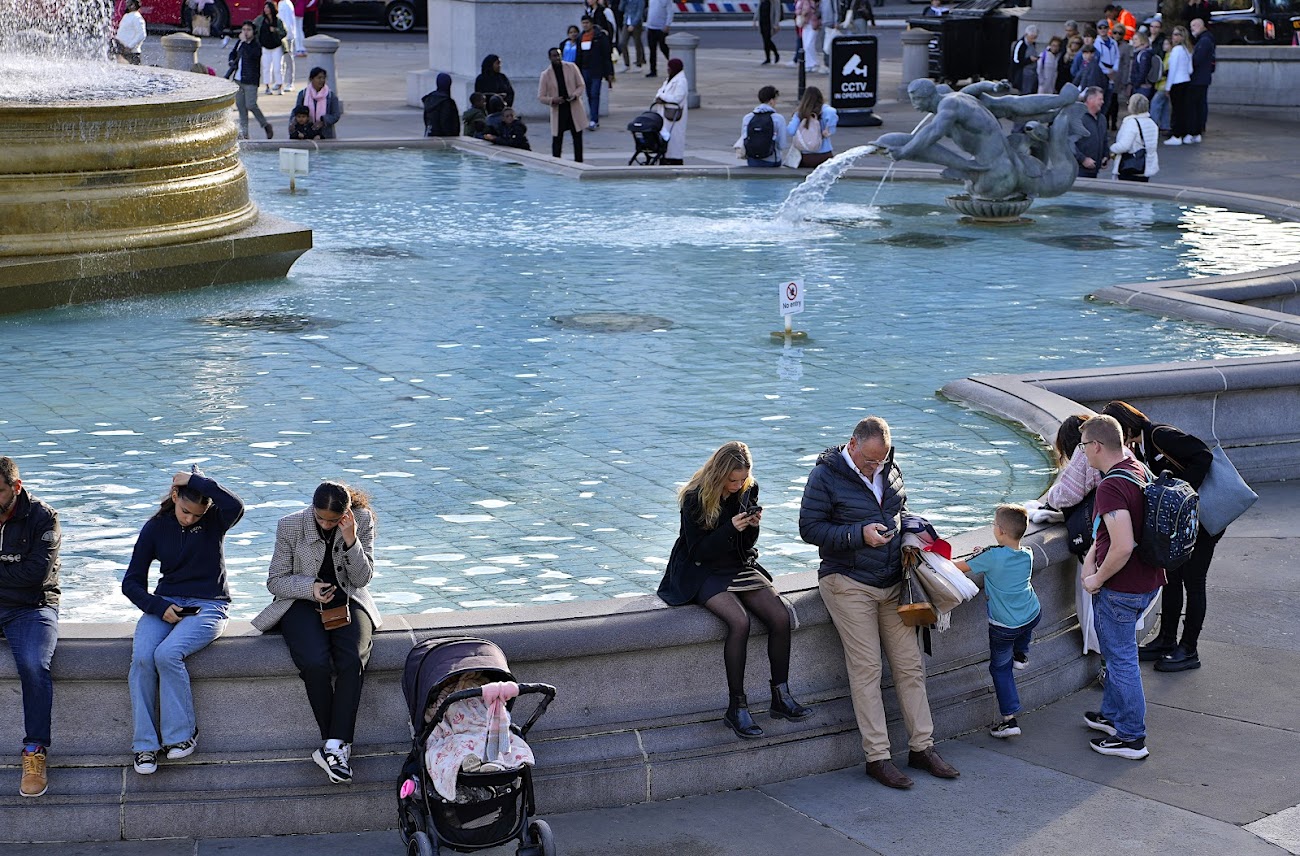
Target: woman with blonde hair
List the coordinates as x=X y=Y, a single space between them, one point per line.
x=1177 y=81
x=715 y=563
x=1137 y=133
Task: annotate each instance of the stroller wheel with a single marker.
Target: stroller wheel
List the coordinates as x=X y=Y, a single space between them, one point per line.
x=410 y=819
x=422 y=845
x=540 y=840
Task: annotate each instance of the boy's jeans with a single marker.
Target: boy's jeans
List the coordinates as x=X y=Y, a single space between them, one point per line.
x=32 y=633
x=1004 y=644
x=161 y=701
x=1115 y=615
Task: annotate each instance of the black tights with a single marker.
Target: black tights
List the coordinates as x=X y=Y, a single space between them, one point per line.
x=734 y=608
x=1191 y=576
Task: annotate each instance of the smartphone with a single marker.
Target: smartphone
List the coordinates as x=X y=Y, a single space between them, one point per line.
x=187 y=610
x=755 y=509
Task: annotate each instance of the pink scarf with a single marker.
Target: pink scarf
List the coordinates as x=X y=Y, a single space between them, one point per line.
x=316 y=101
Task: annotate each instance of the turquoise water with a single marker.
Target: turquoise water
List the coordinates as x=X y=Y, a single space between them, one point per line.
x=514 y=458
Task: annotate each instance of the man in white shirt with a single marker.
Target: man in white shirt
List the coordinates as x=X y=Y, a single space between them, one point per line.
x=129 y=42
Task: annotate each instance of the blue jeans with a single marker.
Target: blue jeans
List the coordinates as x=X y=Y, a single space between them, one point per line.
x=32 y=632
x=593 y=82
x=159 y=681
x=1004 y=644
x=1162 y=110
x=1115 y=615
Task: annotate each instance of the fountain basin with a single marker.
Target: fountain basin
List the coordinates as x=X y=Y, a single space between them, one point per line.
x=98 y=174
x=989 y=210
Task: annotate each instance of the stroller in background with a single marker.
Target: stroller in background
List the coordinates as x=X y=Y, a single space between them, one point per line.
x=650 y=146
x=428 y=822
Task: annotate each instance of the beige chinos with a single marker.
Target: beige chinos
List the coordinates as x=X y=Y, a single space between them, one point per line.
x=865 y=617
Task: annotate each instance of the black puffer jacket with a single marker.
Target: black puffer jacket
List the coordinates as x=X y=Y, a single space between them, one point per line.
x=29 y=554
x=837 y=504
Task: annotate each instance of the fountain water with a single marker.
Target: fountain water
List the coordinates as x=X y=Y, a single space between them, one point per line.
x=105 y=158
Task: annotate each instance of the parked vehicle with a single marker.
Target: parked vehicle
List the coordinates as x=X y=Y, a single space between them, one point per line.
x=177 y=13
x=1255 y=22
x=400 y=16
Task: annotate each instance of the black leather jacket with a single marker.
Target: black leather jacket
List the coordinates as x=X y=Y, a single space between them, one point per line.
x=29 y=554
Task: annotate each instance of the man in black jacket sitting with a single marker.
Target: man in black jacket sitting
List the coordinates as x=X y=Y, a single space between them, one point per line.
x=852 y=509
x=29 y=611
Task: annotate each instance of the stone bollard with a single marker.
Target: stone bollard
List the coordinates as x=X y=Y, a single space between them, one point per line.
x=320 y=53
x=180 y=51
x=916 y=58
x=683 y=47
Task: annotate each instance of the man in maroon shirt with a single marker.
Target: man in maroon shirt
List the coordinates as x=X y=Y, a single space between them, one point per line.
x=1122 y=586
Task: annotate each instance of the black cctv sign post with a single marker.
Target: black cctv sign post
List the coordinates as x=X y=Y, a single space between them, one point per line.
x=854 y=79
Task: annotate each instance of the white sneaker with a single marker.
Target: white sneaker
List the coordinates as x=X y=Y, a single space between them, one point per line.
x=1188 y=140
x=225 y=40
x=183 y=750
x=1196 y=138
x=335 y=763
x=146 y=763
x=1174 y=141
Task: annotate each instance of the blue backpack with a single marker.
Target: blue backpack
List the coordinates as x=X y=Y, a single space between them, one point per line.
x=1169 y=530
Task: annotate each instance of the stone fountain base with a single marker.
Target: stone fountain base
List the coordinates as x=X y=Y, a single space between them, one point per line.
x=990 y=210
x=264 y=250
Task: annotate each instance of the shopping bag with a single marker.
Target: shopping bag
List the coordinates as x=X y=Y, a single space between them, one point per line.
x=1224 y=494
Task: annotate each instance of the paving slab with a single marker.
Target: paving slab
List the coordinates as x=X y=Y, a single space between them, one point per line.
x=1008 y=807
x=743 y=823
x=1282 y=829
x=1215 y=766
x=1255 y=685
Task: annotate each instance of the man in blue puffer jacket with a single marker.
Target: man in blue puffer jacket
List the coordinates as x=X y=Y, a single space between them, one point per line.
x=852 y=508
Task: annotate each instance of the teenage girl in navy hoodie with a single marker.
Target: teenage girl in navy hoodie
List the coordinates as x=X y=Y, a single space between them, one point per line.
x=186 y=611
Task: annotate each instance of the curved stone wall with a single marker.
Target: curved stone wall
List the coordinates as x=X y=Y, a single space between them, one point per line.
x=92 y=176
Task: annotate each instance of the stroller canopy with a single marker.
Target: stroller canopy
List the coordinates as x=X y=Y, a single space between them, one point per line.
x=433 y=662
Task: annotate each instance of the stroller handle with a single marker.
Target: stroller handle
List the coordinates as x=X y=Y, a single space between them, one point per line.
x=546 y=690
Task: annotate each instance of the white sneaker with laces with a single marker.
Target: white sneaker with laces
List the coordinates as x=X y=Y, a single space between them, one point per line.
x=334 y=761
x=1196 y=138
x=146 y=763
x=1188 y=140
x=1174 y=141
x=183 y=750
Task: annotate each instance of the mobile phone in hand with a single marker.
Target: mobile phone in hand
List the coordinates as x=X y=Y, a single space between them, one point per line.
x=187 y=610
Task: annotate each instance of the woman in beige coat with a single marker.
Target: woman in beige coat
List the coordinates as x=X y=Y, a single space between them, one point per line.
x=561 y=88
x=324 y=559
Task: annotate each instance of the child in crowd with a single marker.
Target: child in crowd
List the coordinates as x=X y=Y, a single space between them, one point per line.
x=508 y=131
x=1013 y=607
x=300 y=126
x=474 y=120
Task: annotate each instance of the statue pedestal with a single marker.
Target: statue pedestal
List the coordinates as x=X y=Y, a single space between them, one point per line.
x=990 y=210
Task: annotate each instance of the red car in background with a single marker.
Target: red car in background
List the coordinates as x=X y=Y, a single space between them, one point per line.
x=177 y=13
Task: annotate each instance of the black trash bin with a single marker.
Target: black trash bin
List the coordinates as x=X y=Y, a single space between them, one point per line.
x=971 y=42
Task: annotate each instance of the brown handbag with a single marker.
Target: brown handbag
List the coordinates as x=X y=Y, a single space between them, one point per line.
x=338 y=616
x=913 y=607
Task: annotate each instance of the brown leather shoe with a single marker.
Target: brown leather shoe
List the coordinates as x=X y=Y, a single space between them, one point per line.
x=930 y=761
x=888 y=775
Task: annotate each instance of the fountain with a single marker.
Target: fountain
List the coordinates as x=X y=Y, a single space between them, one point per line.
x=1003 y=173
x=101 y=164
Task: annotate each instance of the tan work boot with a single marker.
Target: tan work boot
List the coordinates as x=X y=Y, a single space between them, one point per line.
x=35 y=780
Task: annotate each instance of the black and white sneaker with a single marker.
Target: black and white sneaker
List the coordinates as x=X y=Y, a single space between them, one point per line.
x=1134 y=750
x=335 y=763
x=183 y=750
x=1097 y=722
x=146 y=763
x=1020 y=661
x=1005 y=728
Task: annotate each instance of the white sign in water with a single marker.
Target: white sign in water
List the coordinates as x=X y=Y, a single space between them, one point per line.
x=791 y=297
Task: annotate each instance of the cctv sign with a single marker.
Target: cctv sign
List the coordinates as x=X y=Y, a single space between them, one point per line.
x=791 y=297
x=853 y=72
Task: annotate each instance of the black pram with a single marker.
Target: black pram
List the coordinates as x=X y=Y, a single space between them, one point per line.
x=646 y=136
x=500 y=804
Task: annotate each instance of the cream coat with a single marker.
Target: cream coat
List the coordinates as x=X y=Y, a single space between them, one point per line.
x=674 y=91
x=548 y=89
x=299 y=551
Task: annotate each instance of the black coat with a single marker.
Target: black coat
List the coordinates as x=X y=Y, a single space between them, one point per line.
x=700 y=552
x=1203 y=60
x=837 y=504
x=598 y=61
x=29 y=554
x=1164 y=447
x=251 y=54
x=495 y=83
x=441 y=118
x=1095 y=145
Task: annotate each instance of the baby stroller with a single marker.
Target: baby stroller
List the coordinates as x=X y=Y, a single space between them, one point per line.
x=499 y=805
x=646 y=136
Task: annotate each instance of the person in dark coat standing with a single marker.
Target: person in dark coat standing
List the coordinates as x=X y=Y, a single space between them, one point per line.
x=441 y=118
x=1202 y=70
x=714 y=563
x=1093 y=151
x=246 y=70
x=492 y=82
x=1164 y=447
x=595 y=60
x=852 y=511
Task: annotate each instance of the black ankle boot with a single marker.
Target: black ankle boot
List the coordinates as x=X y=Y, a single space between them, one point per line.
x=738 y=719
x=784 y=705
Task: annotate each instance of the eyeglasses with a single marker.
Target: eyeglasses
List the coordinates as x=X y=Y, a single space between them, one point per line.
x=1086 y=442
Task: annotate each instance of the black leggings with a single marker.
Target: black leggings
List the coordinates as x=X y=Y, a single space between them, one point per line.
x=734 y=608
x=332 y=663
x=769 y=47
x=655 y=41
x=1191 y=576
